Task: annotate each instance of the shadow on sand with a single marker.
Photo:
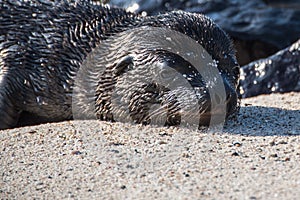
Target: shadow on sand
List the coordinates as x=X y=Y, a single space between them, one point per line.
x=265 y=121
x=251 y=121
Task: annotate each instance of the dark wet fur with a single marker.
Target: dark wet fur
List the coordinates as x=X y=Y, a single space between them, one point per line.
x=43 y=43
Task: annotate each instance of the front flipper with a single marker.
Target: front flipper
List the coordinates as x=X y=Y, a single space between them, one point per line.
x=9 y=111
x=9 y=114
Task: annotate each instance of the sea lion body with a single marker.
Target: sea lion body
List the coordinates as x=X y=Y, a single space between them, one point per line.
x=44 y=43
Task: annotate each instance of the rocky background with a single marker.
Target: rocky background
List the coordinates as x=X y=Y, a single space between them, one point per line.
x=259 y=29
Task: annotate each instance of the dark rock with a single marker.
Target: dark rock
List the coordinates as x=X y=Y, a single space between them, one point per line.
x=278 y=73
x=259 y=28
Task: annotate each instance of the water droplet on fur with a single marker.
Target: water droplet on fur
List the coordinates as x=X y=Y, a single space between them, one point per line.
x=51 y=68
x=242 y=90
x=144 y=13
x=133 y=8
x=40 y=101
x=273 y=88
x=26 y=82
x=168 y=38
x=189 y=54
x=65 y=86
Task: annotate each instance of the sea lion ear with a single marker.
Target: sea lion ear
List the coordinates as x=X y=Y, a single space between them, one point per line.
x=124 y=65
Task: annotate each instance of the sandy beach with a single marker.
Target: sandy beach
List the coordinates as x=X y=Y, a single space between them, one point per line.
x=257 y=156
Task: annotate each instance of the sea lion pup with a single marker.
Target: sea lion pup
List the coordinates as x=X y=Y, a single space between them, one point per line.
x=43 y=44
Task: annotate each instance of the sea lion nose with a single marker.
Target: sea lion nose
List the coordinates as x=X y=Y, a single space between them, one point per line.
x=231 y=96
x=231 y=99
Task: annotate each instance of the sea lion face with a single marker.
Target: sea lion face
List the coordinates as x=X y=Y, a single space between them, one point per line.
x=217 y=44
x=158 y=76
x=171 y=90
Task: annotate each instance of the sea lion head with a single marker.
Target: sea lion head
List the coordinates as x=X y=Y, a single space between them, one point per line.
x=169 y=69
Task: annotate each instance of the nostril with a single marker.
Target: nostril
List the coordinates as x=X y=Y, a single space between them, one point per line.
x=230 y=93
x=231 y=98
x=231 y=101
x=228 y=97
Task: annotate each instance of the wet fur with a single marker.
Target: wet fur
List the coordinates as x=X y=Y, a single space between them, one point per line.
x=43 y=44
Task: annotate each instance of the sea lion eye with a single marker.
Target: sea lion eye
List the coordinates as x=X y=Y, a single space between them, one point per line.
x=125 y=64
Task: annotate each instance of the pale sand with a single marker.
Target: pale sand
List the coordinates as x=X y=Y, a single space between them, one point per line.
x=257 y=157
